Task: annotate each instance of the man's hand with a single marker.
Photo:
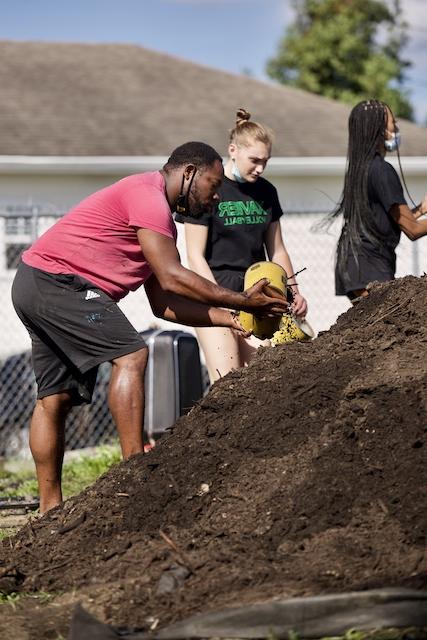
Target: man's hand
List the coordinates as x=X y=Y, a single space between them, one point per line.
x=265 y=301
x=236 y=326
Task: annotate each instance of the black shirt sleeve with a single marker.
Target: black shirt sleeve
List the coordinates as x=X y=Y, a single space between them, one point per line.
x=276 y=209
x=386 y=185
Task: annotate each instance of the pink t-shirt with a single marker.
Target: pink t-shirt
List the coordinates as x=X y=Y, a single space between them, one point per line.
x=98 y=240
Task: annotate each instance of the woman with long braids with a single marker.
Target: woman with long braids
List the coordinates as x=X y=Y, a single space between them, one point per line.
x=373 y=206
x=243 y=228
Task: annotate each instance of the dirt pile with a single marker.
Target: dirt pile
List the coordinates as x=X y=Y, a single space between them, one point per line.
x=302 y=474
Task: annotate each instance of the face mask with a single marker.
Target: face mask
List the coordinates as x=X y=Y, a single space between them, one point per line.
x=393 y=143
x=236 y=173
x=182 y=204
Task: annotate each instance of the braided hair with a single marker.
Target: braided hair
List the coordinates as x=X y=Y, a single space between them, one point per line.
x=367 y=128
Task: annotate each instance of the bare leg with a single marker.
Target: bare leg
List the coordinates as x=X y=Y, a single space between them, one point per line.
x=47 y=431
x=221 y=350
x=225 y=351
x=248 y=348
x=126 y=400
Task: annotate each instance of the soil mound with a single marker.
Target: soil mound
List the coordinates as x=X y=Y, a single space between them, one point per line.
x=302 y=474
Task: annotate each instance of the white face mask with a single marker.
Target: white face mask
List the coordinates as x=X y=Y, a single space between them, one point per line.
x=394 y=142
x=236 y=173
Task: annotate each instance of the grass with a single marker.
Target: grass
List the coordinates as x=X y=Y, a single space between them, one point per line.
x=78 y=473
x=82 y=472
x=13 y=597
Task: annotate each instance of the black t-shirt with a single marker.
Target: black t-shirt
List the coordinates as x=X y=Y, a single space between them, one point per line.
x=375 y=261
x=237 y=228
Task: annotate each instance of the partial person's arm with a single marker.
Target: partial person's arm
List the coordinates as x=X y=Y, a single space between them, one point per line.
x=196 y=237
x=421 y=209
x=408 y=222
x=161 y=253
x=278 y=253
x=174 y=308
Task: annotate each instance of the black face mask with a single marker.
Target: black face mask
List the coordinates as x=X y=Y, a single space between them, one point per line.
x=182 y=201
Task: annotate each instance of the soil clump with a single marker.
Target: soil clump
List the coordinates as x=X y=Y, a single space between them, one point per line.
x=299 y=475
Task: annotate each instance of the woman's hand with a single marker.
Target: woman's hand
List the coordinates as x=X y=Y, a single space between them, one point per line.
x=299 y=305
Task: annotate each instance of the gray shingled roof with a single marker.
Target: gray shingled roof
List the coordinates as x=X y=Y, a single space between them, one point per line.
x=123 y=100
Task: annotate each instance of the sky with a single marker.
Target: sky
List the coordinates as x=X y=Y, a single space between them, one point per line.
x=232 y=35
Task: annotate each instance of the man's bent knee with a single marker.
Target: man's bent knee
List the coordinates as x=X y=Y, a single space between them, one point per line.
x=57 y=403
x=137 y=360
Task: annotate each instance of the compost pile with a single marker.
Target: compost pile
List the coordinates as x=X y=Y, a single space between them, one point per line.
x=302 y=474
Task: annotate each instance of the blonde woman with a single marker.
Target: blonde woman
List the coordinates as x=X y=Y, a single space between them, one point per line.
x=243 y=228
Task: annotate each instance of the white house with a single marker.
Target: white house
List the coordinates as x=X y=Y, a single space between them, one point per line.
x=74 y=118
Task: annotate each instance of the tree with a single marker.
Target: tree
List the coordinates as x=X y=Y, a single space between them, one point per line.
x=348 y=50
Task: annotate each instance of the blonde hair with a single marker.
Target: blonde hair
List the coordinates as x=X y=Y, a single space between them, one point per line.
x=246 y=131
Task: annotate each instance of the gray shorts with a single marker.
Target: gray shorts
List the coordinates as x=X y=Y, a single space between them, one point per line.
x=74 y=327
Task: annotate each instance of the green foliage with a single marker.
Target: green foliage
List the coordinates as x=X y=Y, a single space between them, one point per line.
x=78 y=473
x=18 y=484
x=5 y=533
x=12 y=597
x=333 y=49
x=9 y=598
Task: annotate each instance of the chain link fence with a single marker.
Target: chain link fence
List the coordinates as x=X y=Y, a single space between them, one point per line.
x=92 y=424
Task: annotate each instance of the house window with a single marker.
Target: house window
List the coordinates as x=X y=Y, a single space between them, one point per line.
x=18 y=233
x=18 y=226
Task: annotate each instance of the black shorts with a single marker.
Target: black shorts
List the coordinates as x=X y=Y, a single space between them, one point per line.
x=359 y=273
x=74 y=327
x=230 y=278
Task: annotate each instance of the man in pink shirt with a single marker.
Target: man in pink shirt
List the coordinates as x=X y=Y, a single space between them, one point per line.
x=68 y=283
